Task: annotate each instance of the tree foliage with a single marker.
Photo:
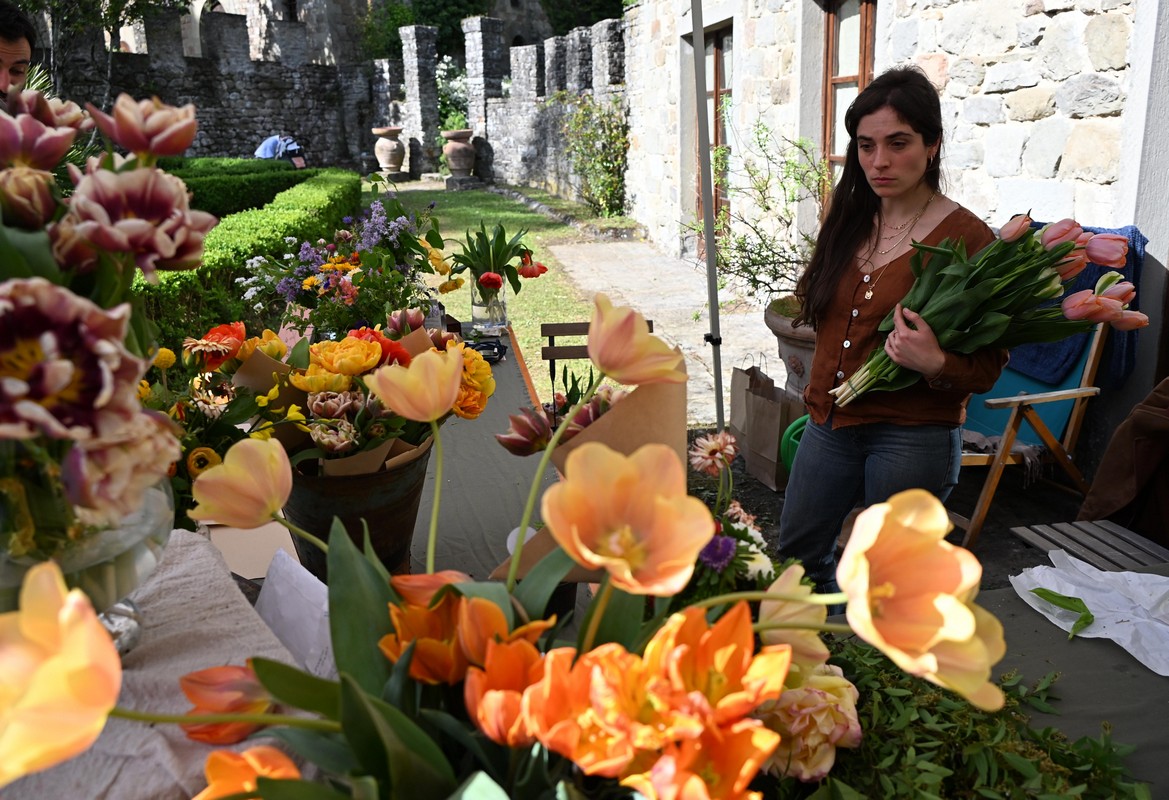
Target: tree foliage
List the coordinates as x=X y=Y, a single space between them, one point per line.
x=379 y=29
x=566 y=16
x=448 y=16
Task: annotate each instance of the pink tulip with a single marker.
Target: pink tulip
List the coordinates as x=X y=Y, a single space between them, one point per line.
x=1124 y=292
x=147 y=128
x=1066 y=230
x=1072 y=266
x=52 y=111
x=404 y=320
x=25 y=141
x=1107 y=250
x=1016 y=227
x=1090 y=306
x=528 y=433
x=1130 y=321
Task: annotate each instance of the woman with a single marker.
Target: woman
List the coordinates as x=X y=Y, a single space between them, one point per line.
x=888 y=197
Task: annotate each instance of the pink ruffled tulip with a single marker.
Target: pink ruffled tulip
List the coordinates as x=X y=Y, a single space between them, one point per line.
x=147 y=128
x=528 y=433
x=52 y=111
x=1066 y=230
x=1015 y=227
x=404 y=320
x=424 y=391
x=248 y=488
x=59 y=675
x=812 y=719
x=1107 y=250
x=25 y=141
x=621 y=346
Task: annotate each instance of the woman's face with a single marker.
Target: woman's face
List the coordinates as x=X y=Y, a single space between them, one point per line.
x=892 y=154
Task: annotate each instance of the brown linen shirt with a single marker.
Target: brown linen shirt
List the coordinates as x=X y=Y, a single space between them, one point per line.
x=848 y=335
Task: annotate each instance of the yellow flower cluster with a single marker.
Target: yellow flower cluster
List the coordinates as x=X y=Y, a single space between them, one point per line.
x=478 y=383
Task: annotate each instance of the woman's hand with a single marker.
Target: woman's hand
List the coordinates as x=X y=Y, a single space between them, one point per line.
x=912 y=344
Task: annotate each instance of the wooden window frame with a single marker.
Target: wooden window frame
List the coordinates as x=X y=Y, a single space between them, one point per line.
x=715 y=93
x=831 y=81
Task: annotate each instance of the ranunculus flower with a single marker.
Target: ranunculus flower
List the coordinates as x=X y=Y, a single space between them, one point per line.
x=403 y=320
x=230 y=337
x=145 y=212
x=493 y=694
x=231 y=773
x=392 y=352
x=59 y=675
x=147 y=128
x=318 y=379
x=630 y=516
x=65 y=371
x=812 y=720
x=528 y=433
x=1015 y=227
x=269 y=343
x=423 y=391
x=808 y=649
x=910 y=594
x=229 y=689
x=349 y=356
x=26 y=197
x=491 y=280
x=248 y=488
x=532 y=269
x=1107 y=250
x=26 y=141
x=1066 y=230
x=621 y=346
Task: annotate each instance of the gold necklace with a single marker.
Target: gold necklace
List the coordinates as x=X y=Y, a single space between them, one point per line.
x=912 y=223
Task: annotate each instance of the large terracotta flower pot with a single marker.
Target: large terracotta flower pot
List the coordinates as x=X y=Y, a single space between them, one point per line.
x=459 y=152
x=796 y=347
x=389 y=149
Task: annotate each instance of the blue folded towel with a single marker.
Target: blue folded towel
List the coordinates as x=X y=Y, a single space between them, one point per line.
x=1051 y=362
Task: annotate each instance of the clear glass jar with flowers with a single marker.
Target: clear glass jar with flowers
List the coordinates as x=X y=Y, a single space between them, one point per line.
x=81 y=460
x=492 y=259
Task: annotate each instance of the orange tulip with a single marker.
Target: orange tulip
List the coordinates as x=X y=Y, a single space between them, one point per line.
x=418 y=590
x=493 y=694
x=621 y=346
x=224 y=690
x=423 y=391
x=482 y=622
x=248 y=488
x=808 y=649
x=59 y=675
x=715 y=667
x=437 y=658
x=910 y=595
x=231 y=773
x=630 y=516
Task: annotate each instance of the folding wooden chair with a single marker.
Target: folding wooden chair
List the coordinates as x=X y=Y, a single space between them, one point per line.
x=1017 y=398
x=552 y=351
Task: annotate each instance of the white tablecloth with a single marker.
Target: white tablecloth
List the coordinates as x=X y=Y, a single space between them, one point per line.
x=194 y=617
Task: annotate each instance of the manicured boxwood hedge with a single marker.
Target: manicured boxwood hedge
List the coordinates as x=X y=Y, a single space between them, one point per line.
x=226 y=194
x=186 y=167
x=189 y=303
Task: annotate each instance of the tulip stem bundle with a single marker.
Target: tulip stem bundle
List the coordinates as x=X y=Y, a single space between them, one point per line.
x=432 y=537
x=308 y=723
x=999 y=297
x=533 y=493
x=826 y=599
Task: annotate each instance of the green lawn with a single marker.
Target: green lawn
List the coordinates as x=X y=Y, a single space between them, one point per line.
x=549 y=298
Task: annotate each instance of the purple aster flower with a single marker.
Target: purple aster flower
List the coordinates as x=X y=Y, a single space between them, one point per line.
x=718 y=553
x=347 y=220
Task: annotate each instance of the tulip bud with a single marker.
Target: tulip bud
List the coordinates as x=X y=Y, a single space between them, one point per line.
x=528 y=433
x=1016 y=227
x=1107 y=250
x=1066 y=230
x=26 y=197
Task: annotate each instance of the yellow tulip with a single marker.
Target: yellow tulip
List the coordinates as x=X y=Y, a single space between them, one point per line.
x=248 y=488
x=621 y=346
x=349 y=356
x=59 y=675
x=318 y=379
x=268 y=343
x=423 y=391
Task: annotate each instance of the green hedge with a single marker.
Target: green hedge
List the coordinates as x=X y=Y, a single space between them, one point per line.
x=187 y=167
x=226 y=194
x=189 y=303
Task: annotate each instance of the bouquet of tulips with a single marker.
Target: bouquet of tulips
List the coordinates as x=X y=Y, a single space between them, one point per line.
x=454 y=687
x=1004 y=295
x=490 y=260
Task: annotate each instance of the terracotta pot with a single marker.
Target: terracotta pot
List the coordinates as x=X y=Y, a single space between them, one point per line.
x=459 y=152
x=389 y=150
x=796 y=347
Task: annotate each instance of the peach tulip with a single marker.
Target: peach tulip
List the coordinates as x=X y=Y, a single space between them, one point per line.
x=1130 y=321
x=630 y=516
x=1122 y=291
x=59 y=675
x=482 y=622
x=1066 y=230
x=26 y=197
x=808 y=649
x=621 y=346
x=493 y=694
x=910 y=595
x=231 y=773
x=248 y=488
x=424 y=391
x=1107 y=250
x=1088 y=305
x=224 y=690
x=1015 y=227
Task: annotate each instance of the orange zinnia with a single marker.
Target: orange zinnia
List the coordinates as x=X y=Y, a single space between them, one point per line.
x=630 y=516
x=493 y=694
x=621 y=346
x=910 y=595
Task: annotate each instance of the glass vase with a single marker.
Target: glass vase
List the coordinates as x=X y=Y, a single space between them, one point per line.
x=488 y=310
x=109 y=564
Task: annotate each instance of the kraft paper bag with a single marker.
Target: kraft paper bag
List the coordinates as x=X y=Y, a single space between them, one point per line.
x=741 y=378
x=769 y=412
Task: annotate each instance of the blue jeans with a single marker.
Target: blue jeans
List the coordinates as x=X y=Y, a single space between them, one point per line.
x=859 y=465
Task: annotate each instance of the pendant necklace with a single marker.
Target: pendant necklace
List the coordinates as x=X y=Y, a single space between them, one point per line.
x=907 y=227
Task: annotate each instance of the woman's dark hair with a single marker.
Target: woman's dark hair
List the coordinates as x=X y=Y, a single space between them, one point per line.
x=15 y=25
x=854 y=204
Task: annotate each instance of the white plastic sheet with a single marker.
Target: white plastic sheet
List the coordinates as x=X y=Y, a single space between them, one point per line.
x=295 y=604
x=1130 y=608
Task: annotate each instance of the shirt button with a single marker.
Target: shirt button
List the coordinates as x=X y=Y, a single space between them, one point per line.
x=855 y=312
x=847 y=344
x=866 y=278
x=839 y=375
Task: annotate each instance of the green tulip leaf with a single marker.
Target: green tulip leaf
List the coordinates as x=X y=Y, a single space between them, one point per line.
x=273 y=789
x=359 y=617
x=620 y=620
x=327 y=750
x=298 y=356
x=296 y=687
x=493 y=757
x=536 y=588
x=1075 y=604
x=26 y=254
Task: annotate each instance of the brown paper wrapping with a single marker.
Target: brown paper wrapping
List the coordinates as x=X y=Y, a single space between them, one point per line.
x=387 y=455
x=540 y=545
x=256 y=374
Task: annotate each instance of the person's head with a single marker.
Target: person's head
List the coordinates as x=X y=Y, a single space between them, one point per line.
x=17 y=39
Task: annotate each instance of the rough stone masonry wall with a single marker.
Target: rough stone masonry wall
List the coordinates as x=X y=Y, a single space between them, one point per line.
x=240 y=101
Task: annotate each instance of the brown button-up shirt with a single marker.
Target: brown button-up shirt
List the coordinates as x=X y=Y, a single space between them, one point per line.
x=848 y=334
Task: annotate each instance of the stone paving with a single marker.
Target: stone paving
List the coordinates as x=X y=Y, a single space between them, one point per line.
x=673 y=293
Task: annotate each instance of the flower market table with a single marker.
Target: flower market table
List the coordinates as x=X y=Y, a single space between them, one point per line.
x=484 y=486
x=193 y=617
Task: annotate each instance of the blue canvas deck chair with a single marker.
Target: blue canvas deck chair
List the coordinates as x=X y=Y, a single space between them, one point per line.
x=1030 y=418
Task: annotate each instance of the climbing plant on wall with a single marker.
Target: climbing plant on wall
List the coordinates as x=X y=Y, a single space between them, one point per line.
x=596 y=133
